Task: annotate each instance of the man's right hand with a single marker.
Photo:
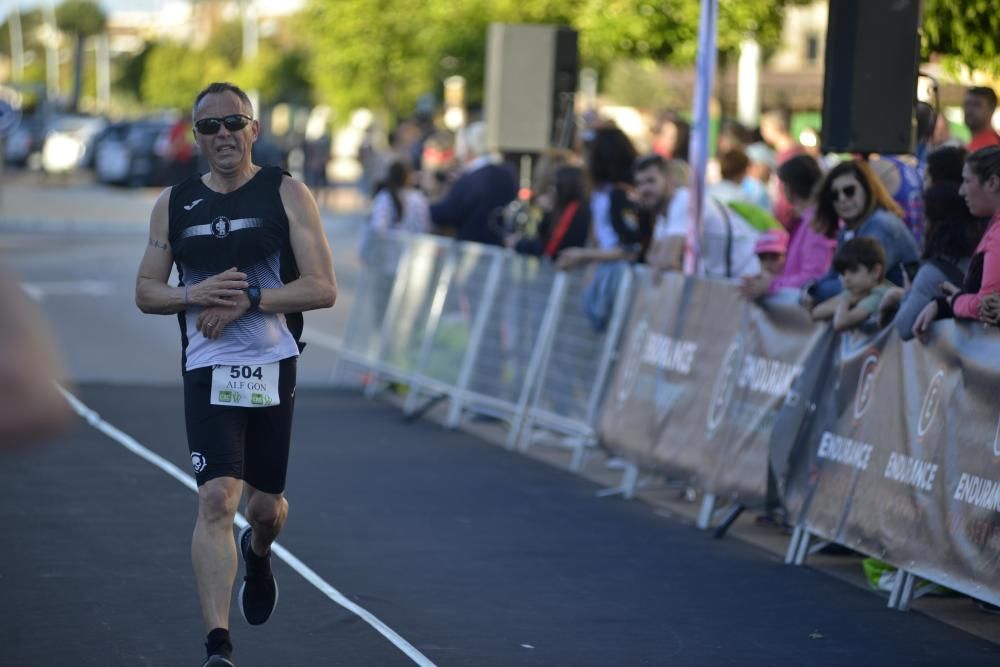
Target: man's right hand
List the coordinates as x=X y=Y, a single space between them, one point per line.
x=222 y=289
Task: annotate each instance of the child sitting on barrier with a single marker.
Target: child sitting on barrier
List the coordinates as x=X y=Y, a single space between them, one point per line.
x=861 y=265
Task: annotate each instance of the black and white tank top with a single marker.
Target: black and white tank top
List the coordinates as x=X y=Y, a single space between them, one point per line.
x=247 y=228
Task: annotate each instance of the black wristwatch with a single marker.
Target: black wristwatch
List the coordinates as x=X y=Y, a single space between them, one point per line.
x=253 y=293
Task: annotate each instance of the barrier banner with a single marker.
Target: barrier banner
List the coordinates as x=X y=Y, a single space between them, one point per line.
x=639 y=395
x=703 y=376
x=757 y=378
x=658 y=408
x=903 y=459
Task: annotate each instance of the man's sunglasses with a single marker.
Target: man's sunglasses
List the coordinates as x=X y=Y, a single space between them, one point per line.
x=233 y=122
x=835 y=193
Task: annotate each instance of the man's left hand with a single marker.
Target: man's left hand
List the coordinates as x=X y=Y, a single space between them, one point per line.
x=212 y=320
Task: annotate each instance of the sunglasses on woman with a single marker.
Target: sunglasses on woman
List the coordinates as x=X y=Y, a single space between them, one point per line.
x=233 y=122
x=847 y=191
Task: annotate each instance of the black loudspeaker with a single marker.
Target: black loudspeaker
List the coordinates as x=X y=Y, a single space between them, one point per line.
x=870 y=80
x=531 y=79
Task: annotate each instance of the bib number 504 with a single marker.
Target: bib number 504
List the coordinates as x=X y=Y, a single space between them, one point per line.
x=246 y=372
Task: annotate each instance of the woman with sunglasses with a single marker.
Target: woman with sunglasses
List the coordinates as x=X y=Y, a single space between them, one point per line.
x=252 y=256
x=979 y=296
x=852 y=199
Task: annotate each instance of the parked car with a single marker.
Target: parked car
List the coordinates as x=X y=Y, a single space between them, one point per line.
x=24 y=144
x=131 y=153
x=149 y=151
x=69 y=142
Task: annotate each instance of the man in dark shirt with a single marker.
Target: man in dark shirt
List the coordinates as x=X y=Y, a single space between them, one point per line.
x=474 y=204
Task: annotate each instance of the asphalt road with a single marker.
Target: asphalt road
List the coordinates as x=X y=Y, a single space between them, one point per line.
x=471 y=554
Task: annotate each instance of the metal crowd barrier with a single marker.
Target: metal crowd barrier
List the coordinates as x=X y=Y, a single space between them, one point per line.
x=574 y=364
x=495 y=333
x=385 y=260
x=399 y=341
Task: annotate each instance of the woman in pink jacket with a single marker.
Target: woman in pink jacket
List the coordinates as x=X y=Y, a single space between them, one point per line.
x=810 y=250
x=979 y=296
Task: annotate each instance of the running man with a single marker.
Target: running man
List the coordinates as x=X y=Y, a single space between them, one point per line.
x=251 y=256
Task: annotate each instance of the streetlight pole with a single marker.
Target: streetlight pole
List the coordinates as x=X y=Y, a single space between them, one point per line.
x=51 y=52
x=251 y=31
x=103 y=58
x=251 y=44
x=16 y=44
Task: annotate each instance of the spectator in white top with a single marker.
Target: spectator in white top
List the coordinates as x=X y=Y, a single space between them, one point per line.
x=727 y=238
x=397 y=206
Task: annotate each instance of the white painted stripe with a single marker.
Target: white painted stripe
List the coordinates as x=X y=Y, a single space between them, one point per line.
x=304 y=570
x=38 y=291
x=317 y=337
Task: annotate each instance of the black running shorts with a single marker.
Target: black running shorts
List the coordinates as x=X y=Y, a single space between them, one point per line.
x=246 y=443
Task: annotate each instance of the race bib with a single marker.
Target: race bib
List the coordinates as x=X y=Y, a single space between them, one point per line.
x=246 y=386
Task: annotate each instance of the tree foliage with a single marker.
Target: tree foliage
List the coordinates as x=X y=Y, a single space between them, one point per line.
x=34 y=50
x=170 y=74
x=278 y=75
x=368 y=50
x=965 y=33
x=80 y=17
x=392 y=51
x=174 y=73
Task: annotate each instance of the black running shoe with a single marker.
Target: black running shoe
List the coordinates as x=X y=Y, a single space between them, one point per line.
x=259 y=593
x=218 y=661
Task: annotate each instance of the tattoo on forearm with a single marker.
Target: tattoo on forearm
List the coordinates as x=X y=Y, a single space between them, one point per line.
x=162 y=245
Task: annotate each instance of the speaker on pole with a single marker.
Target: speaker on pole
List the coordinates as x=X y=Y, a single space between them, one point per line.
x=870 y=79
x=531 y=80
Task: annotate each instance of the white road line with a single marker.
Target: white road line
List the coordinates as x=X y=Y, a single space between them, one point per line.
x=38 y=291
x=304 y=570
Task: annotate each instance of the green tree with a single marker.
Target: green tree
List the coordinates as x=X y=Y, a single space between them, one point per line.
x=460 y=35
x=227 y=42
x=277 y=75
x=174 y=73
x=667 y=31
x=34 y=50
x=369 y=52
x=130 y=72
x=385 y=53
x=964 y=33
x=80 y=19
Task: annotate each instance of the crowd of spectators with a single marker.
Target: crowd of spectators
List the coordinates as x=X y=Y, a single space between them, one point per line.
x=873 y=240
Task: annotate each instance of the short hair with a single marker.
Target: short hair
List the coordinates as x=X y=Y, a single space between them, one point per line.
x=984 y=92
x=859 y=251
x=733 y=165
x=644 y=162
x=944 y=164
x=801 y=174
x=222 y=87
x=985 y=163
